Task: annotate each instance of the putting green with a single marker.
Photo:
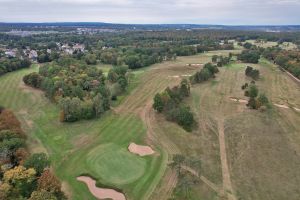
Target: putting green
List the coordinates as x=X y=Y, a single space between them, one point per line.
x=115 y=164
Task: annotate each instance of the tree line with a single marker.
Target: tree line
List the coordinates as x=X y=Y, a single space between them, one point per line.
x=288 y=60
x=23 y=175
x=13 y=64
x=257 y=100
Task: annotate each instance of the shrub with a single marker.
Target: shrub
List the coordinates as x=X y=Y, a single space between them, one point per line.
x=249 y=56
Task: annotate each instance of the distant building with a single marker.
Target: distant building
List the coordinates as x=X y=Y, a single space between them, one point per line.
x=33 y=55
x=79 y=47
x=11 y=53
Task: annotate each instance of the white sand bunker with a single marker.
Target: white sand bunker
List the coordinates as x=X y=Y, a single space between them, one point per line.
x=286 y=107
x=194 y=64
x=281 y=106
x=297 y=109
x=140 y=150
x=178 y=76
x=101 y=193
x=174 y=76
x=238 y=100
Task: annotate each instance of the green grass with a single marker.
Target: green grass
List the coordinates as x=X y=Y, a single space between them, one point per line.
x=115 y=165
x=72 y=147
x=236 y=66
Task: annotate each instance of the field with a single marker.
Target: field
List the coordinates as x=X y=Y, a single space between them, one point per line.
x=266 y=44
x=243 y=152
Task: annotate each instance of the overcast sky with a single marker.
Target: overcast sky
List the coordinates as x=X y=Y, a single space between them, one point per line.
x=231 y=12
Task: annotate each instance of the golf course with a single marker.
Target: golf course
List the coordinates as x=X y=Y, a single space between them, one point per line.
x=243 y=152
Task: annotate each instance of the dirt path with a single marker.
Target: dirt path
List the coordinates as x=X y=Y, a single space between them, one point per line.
x=292 y=76
x=214 y=187
x=227 y=186
x=169 y=182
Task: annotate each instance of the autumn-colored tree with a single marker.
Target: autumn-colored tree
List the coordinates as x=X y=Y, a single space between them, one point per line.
x=21 y=180
x=8 y=121
x=42 y=195
x=49 y=182
x=4 y=190
x=21 y=154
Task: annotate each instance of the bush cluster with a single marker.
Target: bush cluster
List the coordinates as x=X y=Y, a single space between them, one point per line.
x=251 y=72
x=208 y=71
x=170 y=104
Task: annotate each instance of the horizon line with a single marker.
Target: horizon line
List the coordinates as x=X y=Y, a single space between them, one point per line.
x=49 y=22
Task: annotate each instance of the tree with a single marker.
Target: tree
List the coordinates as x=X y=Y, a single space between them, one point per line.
x=122 y=82
x=37 y=161
x=253 y=73
x=185 y=88
x=185 y=118
x=8 y=121
x=90 y=59
x=214 y=58
x=50 y=183
x=158 y=103
x=262 y=98
x=247 y=45
x=21 y=179
x=253 y=91
x=133 y=62
x=98 y=105
x=33 y=79
x=281 y=60
x=42 y=195
x=177 y=163
x=249 y=56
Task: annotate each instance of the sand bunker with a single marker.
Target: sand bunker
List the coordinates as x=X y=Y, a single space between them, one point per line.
x=186 y=75
x=238 y=100
x=281 y=106
x=286 y=107
x=194 y=64
x=297 y=109
x=101 y=193
x=177 y=76
x=140 y=150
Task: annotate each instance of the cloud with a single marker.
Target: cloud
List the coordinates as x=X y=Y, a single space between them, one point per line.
x=153 y=11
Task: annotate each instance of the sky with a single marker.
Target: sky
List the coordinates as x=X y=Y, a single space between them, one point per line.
x=226 y=12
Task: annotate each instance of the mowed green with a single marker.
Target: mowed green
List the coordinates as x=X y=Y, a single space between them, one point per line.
x=70 y=145
x=115 y=165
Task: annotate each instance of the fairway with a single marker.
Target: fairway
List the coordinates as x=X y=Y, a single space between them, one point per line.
x=115 y=165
